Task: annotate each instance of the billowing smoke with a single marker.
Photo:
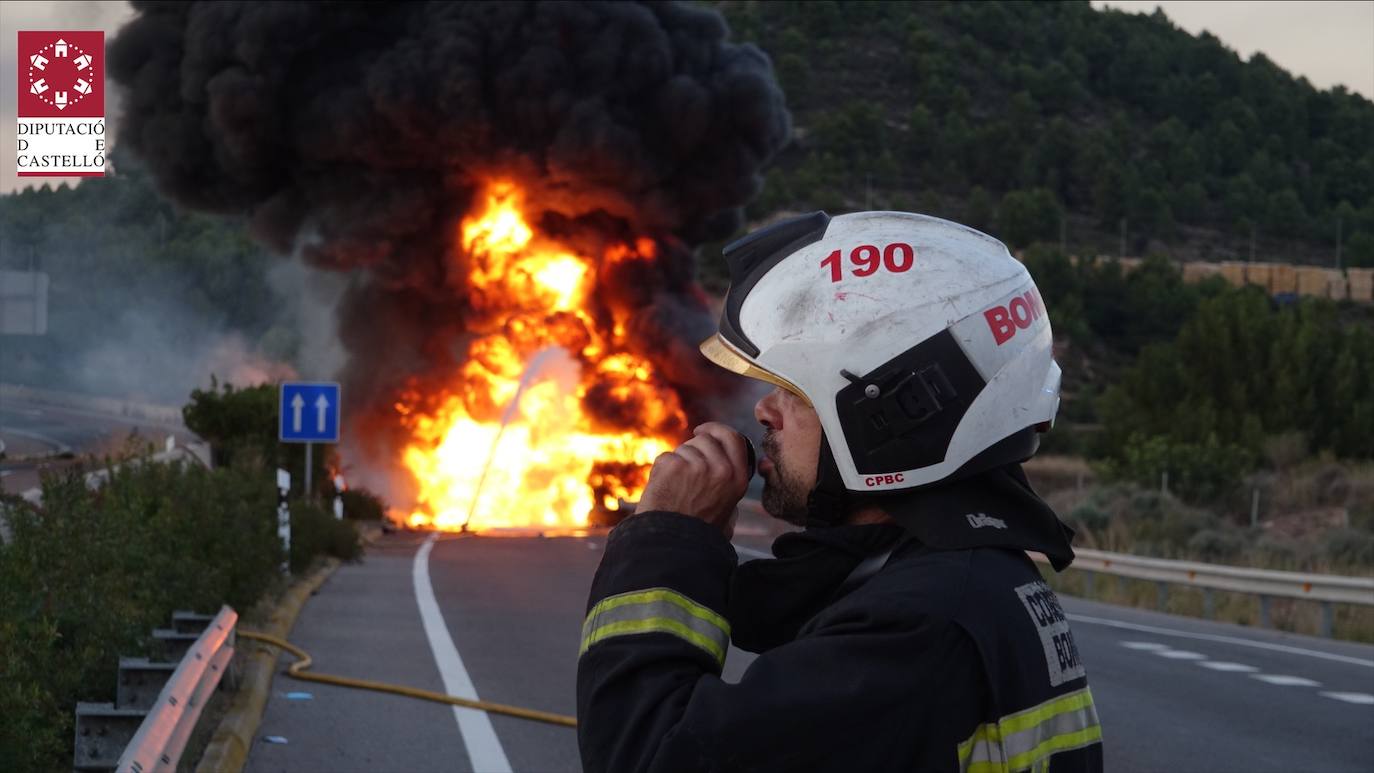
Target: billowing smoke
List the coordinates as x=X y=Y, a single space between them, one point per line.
x=358 y=135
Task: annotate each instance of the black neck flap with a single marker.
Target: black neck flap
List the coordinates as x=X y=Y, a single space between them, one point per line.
x=828 y=502
x=997 y=508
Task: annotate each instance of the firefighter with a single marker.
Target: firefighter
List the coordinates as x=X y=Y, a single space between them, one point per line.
x=904 y=627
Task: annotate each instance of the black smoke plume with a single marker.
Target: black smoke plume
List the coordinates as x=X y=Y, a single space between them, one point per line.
x=359 y=134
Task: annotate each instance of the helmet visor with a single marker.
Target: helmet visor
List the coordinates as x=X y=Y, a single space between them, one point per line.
x=718 y=350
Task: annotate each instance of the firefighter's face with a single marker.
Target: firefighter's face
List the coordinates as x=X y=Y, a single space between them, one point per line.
x=791 y=454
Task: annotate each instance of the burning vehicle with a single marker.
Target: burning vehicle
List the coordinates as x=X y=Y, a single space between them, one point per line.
x=515 y=191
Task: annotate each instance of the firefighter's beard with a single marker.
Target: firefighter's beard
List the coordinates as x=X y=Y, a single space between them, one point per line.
x=784 y=494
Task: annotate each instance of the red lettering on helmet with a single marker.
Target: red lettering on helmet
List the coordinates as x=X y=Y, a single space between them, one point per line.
x=1004 y=321
x=999 y=322
x=1021 y=312
x=884 y=480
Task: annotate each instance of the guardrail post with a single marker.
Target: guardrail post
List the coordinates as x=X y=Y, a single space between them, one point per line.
x=1328 y=619
x=1264 y=611
x=284 y=518
x=1120 y=586
x=1162 y=600
x=173 y=643
x=1089 y=580
x=140 y=682
x=1209 y=604
x=102 y=732
x=338 y=497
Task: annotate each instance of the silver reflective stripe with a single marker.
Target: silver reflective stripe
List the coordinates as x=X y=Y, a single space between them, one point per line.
x=657 y=610
x=1027 y=739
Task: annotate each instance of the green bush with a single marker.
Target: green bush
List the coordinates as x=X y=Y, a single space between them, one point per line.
x=315 y=532
x=359 y=504
x=1089 y=517
x=1349 y=548
x=240 y=423
x=1202 y=472
x=88 y=575
x=1216 y=545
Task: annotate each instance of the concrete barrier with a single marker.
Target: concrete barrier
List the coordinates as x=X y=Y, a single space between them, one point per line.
x=1234 y=272
x=1283 y=278
x=1361 y=284
x=1259 y=274
x=1313 y=282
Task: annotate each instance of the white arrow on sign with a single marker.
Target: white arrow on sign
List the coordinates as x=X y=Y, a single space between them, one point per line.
x=38 y=86
x=297 y=403
x=321 y=405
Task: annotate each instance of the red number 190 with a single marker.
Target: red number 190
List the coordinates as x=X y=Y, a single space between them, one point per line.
x=866 y=259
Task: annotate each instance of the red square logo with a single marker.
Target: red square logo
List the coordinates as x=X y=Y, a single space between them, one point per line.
x=62 y=74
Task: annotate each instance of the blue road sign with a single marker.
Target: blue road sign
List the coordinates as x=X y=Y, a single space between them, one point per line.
x=309 y=412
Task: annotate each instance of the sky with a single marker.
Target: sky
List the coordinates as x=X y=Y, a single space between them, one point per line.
x=1329 y=43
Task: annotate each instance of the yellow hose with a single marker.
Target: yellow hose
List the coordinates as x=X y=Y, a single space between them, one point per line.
x=297 y=670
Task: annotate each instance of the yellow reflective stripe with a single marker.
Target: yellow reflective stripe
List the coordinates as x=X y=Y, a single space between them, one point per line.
x=1025 y=761
x=1066 y=722
x=660 y=594
x=1015 y=723
x=654 y=625
x=1056 y=744
x=657 y=610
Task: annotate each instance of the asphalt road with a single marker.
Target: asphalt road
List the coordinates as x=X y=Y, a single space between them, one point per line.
x=1174 y=693
x=34 y=433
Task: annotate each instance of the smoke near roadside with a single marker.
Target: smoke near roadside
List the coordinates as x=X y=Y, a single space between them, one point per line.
x=358 y=136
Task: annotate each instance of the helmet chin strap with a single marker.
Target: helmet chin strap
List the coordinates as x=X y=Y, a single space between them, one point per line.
x=828 y=502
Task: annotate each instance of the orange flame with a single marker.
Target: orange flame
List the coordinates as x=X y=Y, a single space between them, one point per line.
x=511 y=442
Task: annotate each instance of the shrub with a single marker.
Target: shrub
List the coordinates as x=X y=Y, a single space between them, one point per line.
x=1202 y=472
x=1349 y=548
x=87 y=576
x=1089 y=517
x=1216 y=545
x=359 y=504
x=316 y=532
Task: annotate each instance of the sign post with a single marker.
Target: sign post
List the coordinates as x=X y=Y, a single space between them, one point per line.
x=308 y=413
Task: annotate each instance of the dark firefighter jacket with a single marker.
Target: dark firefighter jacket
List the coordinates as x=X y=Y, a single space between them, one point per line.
x=955 y=657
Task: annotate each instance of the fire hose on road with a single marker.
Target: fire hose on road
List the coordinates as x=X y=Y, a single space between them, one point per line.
x=298 y=670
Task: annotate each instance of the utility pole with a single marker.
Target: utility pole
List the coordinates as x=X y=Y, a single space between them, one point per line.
x=1252 y=242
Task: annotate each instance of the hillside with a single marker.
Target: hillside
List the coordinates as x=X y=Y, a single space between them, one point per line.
x=1054 y=121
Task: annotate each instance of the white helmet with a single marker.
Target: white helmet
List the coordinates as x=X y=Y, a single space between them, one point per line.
x=922 y=344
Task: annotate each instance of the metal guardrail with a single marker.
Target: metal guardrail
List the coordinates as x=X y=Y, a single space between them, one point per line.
x=157 y=704
x=1264 y=583
x=161 y=738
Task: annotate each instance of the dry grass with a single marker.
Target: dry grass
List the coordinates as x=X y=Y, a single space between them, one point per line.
x=1315 y=515
x=1056 y=473
x=1350 y=622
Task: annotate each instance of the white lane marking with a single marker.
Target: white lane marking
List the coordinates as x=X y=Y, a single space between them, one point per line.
x=1180 y=655
x=751 y=552
x=1358 y=698
x=1261 y=645
x=1221 y=665
x=483 y=747
x=1283 y=680
x=1144 y=645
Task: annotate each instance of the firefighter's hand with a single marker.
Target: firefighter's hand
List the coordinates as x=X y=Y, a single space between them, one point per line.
x=704 y=478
